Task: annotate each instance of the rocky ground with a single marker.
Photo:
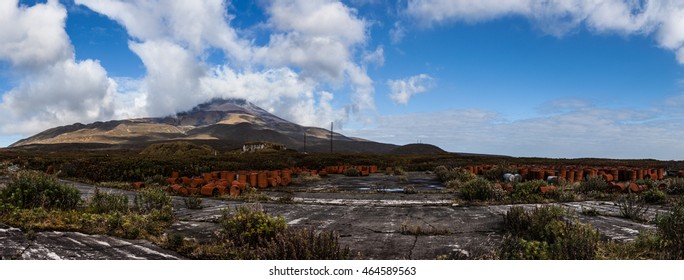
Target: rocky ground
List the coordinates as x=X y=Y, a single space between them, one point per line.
x=371 y=216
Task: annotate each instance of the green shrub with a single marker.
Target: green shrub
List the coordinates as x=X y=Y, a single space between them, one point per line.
x=102 y=202
x=632 y=207
x=654 y=196
x=545 y=233
x=352 y=172
x=445 y=174
x=33 y=189
x=250 y=226
x=593 y=184
x=480 y=189
x=193 y=202
x=399 y=172
x=152 y=198
x=676 y=186
x=303 y=244
x=671 y=229
x=410 y=190
x=527 y=192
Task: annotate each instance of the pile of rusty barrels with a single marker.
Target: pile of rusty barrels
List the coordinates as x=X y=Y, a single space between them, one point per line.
x=612 y=175
x=232 y=182
x=219 y=183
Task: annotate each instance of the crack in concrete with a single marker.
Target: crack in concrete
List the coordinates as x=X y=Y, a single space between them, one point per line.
x=415 y=241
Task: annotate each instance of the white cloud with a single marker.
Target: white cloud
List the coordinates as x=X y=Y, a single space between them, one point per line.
x=397 y=33
x=52 y=88
x=581 y=132
x=33 y=36
x=320 y=37
x=664 y=18
x=403 y=90
x=66 y=92
x=196 y=25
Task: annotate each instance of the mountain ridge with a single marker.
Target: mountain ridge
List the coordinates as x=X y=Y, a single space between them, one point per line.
x=223 y=123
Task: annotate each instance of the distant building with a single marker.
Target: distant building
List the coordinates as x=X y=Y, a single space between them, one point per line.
x=259 y=146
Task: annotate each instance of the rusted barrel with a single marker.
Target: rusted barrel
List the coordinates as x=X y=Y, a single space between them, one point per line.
x=209 y=190
x=608 y=177
x=632 y=174
x=181 y=190
x=197 y=182
x=571 y=176
x=186 y=181
x=661 y=173
x=262 y=180
x=206 y=176
x=253 y=178
x=579 y=175
x=193 y=190
x=138 y=185
x=50 y=170
x=272 y=182
x=175 y=174
x=617 y=187
x=633 y=187
x=242 y=178
x=373 y=169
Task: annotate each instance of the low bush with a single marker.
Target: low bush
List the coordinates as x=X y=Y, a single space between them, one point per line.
x=654 y=196
x=352 y=172
x=33 y=189
x=593 y=184
x=410 y=190
x=250 y=226
x=399 y=172
x=676 y=186
x=250 y=233
x=193 y=202
x=671 y=230
x=102 y=202
x=480 y=189
x=151 y=198
x=527 y=192
x=304 y=244
x=546 y=233
x=446 y=174
x=632 y=207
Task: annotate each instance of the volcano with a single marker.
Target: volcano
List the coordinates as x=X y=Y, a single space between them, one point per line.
x=224 y=124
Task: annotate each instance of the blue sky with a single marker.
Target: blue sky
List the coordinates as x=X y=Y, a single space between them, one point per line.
x=573 y=78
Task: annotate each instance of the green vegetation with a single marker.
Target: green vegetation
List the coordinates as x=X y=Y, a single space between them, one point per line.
x=676 y=186
x=101 y=203
x=593 y=184
x=32 y=189
x=352 y=172
x=480 y=189
x=178 y=149
x=671 y=231
x=654 y=196
x=632 y=207
x=527 y=192
x=35 y=201
x=547 y=233
x=193 y=202
x=250 y=233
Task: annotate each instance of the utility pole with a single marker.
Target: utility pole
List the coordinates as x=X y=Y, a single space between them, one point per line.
x=331 y=137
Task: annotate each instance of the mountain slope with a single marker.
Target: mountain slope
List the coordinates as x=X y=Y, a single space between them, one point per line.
x=220 y=123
